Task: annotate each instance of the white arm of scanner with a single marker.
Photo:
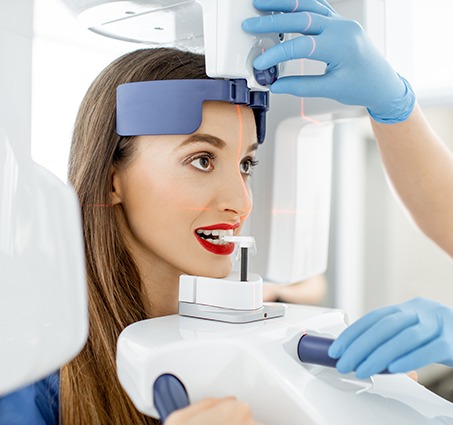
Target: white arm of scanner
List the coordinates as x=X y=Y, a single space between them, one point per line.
x=43 y=305
x=212 y=27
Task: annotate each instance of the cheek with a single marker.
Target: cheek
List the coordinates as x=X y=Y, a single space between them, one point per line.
x=169 y=199
x=183 y=194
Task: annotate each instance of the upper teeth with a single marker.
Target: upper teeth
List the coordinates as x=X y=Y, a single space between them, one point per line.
x=219 y=234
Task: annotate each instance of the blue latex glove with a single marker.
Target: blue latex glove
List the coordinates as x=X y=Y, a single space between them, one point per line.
x=356 y=73
x=399 y=338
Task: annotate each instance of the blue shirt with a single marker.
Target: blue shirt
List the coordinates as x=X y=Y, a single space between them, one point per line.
x=36 y=404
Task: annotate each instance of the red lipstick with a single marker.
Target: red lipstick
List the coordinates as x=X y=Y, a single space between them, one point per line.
x=224 y=249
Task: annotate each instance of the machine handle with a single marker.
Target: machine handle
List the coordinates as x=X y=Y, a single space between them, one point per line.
x=314 y=349
x=169 y=394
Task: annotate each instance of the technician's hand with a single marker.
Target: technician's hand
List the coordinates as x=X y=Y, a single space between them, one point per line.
x=213 y=411
x=356 y=73
x=399 y=338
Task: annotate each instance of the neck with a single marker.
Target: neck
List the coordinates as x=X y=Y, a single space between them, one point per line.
x=160 y=286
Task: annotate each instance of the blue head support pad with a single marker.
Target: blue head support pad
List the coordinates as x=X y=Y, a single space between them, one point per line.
x=175 y=106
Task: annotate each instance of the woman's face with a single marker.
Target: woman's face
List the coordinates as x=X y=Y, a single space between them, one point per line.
x=180 y=193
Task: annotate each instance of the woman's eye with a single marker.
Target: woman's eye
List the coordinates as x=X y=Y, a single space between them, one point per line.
x=203 y=163
x=248 y=165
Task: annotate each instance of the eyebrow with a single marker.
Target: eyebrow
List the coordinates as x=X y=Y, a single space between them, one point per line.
x=203 y=138
x=212 y=140
x=252 y=147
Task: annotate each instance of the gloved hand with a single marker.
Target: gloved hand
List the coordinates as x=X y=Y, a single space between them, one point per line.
x=356 y=73
x=399 y=338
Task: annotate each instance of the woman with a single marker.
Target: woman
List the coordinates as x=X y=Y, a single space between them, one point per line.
x=145 y=202
x=152 y=209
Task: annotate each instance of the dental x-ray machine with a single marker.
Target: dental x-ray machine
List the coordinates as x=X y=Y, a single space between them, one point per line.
x=226 y=341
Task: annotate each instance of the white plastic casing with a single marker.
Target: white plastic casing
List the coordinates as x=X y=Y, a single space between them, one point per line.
x=257 y=363
x=229 y=50
x=300 y=216
x=212 y=27
x=228 y=293
x=43 y=302
x=176 y=23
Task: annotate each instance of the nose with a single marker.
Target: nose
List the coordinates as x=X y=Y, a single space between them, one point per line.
x=235 y=195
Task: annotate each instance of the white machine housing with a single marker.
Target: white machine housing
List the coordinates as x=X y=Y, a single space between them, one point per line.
x=257 y=362
x=43 y=303
x=212 y=27
x=292 y=196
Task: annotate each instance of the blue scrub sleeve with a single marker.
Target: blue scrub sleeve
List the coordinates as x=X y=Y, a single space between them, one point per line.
x=36 y=404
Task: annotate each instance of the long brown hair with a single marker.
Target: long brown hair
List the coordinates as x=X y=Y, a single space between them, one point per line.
x=90 y=392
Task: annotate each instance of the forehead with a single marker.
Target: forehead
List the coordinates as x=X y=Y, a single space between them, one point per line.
x=224 y=118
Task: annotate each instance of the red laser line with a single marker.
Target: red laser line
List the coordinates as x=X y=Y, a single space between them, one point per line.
x=314 y=44
x=302 y=102
x=310 y=20
x=240 y=145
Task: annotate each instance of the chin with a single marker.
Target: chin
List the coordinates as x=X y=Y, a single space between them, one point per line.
x=206 y=264
x=217 y=271
x=218 y=275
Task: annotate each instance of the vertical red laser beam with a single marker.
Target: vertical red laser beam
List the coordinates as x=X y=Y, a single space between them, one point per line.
x=238 y=154
x=302 y=101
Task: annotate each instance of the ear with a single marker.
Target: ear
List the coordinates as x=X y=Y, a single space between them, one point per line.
x=115 y=194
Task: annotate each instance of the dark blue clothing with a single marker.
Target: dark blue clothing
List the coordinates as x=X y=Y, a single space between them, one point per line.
x=36 y=404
